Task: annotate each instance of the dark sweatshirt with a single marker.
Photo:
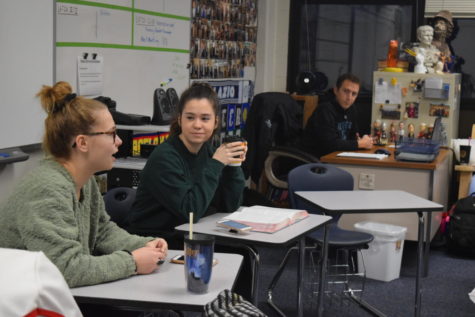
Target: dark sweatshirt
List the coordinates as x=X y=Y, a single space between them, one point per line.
x=175 y=182
x=330 y=129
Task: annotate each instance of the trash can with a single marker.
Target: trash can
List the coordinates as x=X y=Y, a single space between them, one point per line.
x=383 y=258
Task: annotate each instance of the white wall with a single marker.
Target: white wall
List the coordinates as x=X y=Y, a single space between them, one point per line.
x=272 y=42
x=271 y=75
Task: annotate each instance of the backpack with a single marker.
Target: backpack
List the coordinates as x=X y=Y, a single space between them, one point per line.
x=461 y=227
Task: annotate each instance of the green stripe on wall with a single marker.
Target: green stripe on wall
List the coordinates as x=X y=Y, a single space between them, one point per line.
x=95 y=4
x=119 y=46
x=165 y=15
x=116 y=7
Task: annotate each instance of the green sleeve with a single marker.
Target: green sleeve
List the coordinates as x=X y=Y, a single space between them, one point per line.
x=181 y=193
x=231 y=188
x=52 y=227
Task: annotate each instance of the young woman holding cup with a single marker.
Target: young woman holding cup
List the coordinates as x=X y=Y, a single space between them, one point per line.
x=186 y=173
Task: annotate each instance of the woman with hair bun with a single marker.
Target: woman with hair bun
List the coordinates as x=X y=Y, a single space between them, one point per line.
x=58 y=208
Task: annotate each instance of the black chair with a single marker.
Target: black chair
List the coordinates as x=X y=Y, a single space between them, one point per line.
x=118 y=202
x=279 y=162
x=345 y=243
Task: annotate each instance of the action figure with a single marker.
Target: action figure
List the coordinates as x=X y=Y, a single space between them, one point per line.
x=422 y=131
x=411 y=131
x=430 y=131
x=392 y=133
x=384 y=136
x=377 y=132
x=401 y=131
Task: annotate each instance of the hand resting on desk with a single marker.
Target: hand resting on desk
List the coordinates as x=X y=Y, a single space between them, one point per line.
x=147 y=258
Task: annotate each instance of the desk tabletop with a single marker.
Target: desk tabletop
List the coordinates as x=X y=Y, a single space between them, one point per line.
x=375 y=201
x=387 y=162
x=163 y=289
x=207 y=225
x=465 y=168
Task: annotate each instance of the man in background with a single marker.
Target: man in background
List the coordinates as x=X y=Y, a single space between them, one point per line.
x=333 y=126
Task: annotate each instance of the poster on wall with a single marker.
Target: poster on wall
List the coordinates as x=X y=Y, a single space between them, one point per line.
x=223 y=38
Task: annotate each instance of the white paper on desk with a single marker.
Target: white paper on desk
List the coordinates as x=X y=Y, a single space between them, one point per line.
x=90 y=74
x=363 y=155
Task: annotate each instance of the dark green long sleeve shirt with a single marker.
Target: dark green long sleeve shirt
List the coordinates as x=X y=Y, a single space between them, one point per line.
x=175 y=182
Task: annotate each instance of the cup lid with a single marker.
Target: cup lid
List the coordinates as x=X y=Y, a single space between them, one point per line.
x=200 y=238
x=232 y=138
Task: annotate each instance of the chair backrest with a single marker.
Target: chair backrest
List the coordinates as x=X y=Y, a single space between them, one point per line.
x=316 y=177
x=118 y=202
x=281 y=160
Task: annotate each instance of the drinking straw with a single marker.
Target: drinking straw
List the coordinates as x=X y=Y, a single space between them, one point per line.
x=191 y=226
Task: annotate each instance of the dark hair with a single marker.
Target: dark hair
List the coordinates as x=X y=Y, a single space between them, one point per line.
x=196 y=91
x=68 y=116
x=349 y=77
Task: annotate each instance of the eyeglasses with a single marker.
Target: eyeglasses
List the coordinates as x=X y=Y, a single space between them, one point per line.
x=113 y=133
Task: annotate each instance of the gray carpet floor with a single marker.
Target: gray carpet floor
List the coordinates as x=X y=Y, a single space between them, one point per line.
x=444 y=291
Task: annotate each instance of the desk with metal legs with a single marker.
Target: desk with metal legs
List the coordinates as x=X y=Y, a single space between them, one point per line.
x=163 y=289
x=377 y=201
x=290 y=235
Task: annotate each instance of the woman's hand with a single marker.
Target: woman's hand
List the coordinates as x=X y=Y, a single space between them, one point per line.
x=228 y=153
x=146 y=259
x=159 y=244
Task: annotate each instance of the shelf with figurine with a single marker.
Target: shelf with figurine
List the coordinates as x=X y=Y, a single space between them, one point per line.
x=382 y=135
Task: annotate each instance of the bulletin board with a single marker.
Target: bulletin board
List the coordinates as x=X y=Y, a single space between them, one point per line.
x=407 y=98
x=27 y=62
x=144 y=44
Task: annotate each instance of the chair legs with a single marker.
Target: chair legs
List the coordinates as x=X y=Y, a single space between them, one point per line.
x=343 y=279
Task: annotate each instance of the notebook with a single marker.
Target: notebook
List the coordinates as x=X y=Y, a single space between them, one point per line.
x=267 y=219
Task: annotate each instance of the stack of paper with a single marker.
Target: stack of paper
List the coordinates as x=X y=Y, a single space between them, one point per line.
x=267 y=219
x=363 y=155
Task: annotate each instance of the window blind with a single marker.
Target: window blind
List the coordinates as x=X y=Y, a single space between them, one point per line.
x=458 y=8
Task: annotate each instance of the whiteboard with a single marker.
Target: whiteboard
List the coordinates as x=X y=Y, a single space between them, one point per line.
x=143 y=43
x=26 y=63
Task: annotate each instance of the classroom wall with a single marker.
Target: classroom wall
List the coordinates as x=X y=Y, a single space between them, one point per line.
x=272 y=43
x=271 y=75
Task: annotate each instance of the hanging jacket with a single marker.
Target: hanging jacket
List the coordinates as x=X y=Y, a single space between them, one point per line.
x=274 y=119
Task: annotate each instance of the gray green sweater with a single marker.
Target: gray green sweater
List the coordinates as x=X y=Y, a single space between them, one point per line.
x=44 y=214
